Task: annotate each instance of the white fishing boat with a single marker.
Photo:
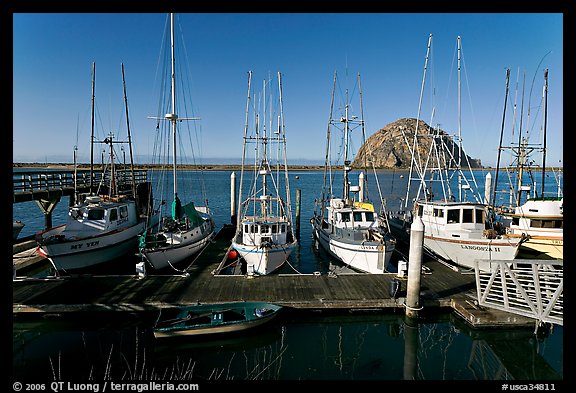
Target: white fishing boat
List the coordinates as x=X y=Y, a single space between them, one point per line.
x=456 y=225
x=530 y=213
x=103 y=225
x=346 y=224
x=186 y=229
x=264 y=235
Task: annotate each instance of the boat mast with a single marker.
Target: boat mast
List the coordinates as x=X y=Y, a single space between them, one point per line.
x=521 y=147
x=172 y=116
x=364 y=185
x=414 y=151
x=501 y=136
x=239 y=212
x=129 y=136
x=264 y=160
x=346 y=161
x=282 y=135
x=92 y=132
x=459 y=130
x=545 y=93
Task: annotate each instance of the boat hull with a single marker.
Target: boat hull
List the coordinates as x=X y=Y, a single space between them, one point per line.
x=366 y=257
x=87 y=252
x=540 y=247
x=465 y=252
x=195 y=240
x=264 y=260
x=212 y=319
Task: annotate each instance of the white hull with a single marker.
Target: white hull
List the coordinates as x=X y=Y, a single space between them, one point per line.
x=264 y=260
x=542 y=247
x=179 y=250
x=90 y=251
x=369 y=257
x=465 y=252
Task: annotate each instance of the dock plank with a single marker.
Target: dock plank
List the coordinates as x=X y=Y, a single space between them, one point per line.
x=441 y=286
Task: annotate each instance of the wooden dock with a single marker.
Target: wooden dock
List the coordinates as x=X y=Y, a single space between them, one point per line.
x=442 y=288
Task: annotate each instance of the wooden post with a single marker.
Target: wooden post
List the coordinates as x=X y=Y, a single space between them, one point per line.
x=233 y=198
x=298 y=199
x=412 y=303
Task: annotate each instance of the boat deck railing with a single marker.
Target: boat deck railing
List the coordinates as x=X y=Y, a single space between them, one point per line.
x=532 y=288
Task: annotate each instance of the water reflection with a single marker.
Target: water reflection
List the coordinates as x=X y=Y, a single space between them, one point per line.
x=297 y=346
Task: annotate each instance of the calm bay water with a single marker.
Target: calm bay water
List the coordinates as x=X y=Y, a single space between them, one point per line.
x=298 y=345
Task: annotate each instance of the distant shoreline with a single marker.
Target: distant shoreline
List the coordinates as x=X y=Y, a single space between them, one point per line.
x=206 y=167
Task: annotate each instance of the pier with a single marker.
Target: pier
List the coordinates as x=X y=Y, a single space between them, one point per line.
x=48 y=187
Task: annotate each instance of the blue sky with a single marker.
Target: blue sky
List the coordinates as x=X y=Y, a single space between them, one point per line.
x=53 y=55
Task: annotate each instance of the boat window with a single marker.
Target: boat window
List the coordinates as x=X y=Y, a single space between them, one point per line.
x=246 y=228
x=96 y=214
x=438 y=213
x=274 y=228
x=369 y=216
x=283 y=228
x=113 y=215
x=467 y=215
x=345 y=217
x=479 y=216
x=123 y=211
x=546 y=223
x=420 y=210
x=264 y=229
x=453 y=216
x=357 y=216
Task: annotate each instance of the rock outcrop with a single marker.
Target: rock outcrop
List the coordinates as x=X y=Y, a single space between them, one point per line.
x=388 y=148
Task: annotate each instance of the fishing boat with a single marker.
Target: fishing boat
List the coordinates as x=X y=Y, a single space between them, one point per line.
x=345 y=222
x=529 y=213
x=264 y=236
x=17 y=227
x=186 y=229
x=456 y=225
x=213 y=318
x=103 y=224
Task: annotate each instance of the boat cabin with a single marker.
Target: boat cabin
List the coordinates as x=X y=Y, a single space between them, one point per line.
x=273 y=231
x=99 y=216
x=466 y=215
x=359 y=216
x=538 y=216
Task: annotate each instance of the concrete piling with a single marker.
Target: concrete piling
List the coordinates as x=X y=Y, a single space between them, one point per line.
x=416 y=252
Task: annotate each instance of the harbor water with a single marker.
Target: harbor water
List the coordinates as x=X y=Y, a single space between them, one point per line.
x=311 y=345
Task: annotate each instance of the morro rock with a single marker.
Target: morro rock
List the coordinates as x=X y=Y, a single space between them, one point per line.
x=388 y=146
